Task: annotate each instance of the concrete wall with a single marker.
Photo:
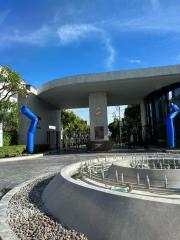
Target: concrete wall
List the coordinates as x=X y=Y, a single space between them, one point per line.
x=98 y=114
x=107 y=215
x=49 y=116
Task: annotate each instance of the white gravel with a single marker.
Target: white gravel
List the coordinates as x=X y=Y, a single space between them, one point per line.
x=29 y=219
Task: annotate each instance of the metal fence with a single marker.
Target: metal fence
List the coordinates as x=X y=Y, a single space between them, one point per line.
x=75 y=139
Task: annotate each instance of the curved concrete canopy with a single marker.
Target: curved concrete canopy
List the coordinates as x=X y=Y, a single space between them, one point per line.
x=122 y=87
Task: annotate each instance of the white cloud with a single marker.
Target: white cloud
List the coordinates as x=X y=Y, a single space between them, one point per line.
x=71 y=33
x=149 y=24
x=75 y=32
x=37 y=37
x=137 y=61
x=111 y=53
x=161 y=21
x=67 y=34
x=3 y=16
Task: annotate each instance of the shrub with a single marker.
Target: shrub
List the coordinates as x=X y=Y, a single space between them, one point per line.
x=6 y=139
x=12 y=151
x=10 y=138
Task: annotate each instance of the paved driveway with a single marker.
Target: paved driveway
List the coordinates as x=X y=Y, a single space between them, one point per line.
x=16 y=172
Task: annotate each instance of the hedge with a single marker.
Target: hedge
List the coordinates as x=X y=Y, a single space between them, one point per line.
x=12 y=151
x=10 y=138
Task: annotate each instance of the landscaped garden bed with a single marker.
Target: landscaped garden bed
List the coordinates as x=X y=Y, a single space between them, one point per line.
x=12 y=151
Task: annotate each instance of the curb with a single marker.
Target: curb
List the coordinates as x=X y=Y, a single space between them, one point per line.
x=5 y=231
x=21 y=158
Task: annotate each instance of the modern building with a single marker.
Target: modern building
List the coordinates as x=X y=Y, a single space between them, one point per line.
x=152 y=88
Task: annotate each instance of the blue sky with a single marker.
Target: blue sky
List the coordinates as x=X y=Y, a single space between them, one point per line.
x=48 y=39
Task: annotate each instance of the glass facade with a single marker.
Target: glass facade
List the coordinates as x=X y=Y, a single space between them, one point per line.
x=156 y=110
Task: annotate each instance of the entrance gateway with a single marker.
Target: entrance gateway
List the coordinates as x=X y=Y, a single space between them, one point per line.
x=97 y=91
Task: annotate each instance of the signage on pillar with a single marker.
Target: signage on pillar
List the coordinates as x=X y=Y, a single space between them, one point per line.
x=99 y=132
x=52 y=127
x=98 y=111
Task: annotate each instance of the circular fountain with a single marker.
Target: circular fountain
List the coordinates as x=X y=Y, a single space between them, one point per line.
x=157 y=171
x=129 y=197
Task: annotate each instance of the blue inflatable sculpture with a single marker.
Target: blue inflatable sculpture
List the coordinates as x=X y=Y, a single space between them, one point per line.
x=32 y=128
x=173 y=111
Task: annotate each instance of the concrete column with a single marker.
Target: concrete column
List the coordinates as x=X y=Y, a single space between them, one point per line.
x=98 y=116
x=143 y=119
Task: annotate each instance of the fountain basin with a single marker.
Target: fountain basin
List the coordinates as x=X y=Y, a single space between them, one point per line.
x=103 y=214
x=156 y=176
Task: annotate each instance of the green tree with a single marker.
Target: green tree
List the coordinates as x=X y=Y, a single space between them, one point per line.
x=75 y=129
x=132 y=123
x=9 y=115
x=132 y=116
x=114 y=129
x=10 y=84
